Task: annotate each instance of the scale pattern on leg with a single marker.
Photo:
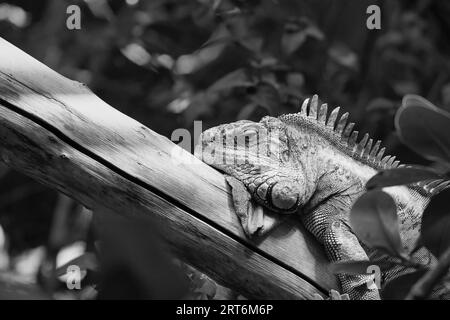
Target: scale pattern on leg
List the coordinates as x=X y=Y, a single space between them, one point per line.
x=342 y=245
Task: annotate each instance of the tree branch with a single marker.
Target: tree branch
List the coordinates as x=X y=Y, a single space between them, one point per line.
x=58 y=132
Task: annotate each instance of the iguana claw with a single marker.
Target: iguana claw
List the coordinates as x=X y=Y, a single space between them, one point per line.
x=250 y=214
x=254 y=218
x=334 y=295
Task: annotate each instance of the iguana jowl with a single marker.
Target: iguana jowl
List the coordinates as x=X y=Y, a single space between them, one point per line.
x=311 y=164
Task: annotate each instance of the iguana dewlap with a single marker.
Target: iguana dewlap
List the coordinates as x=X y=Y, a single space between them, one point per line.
x=310 y=164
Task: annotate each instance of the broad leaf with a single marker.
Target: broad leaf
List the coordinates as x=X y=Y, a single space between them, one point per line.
x=380 y=104
x=399 y=288
x=424 y=128
x=296 y=33
x=266 y=96
x=351 y=267
x=206 y=291
x=373 y=218
x=436 y=223
x=87 y=261
x=358 y=267
x=247 y=111
x=402 y=176
x=344 y=56
x=236 y=78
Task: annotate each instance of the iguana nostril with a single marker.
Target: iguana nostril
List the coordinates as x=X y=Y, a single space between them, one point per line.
x=284 y=195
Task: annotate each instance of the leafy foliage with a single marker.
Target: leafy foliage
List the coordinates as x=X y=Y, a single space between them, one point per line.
x=431 y=135
x=424 y=128
x=436 y=224
x=374 y=220
x=399 y=288
x=402 y=176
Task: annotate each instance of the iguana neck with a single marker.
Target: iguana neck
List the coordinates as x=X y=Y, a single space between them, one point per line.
x=337 y=177
x=329 y=171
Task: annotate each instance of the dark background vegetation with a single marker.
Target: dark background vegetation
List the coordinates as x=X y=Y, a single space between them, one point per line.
x=167 y=63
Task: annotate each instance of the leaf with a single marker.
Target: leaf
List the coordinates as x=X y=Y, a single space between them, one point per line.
x=398 y=288
x=291 y=42
x=402 y=176
x=236 y=78
x=380 y=104
x=417 y=246
x=424 y=128
x=134 y=261
x=445 y=93
x=207 y=290
x=373 y=218
x=246 y=111
x=358 y=267
x=296 y=33
x=404 y=87
x=351 y=267
x=87 y=261
x=14 y=287
x=266 y=96
x=344 y=56
x=436 y=223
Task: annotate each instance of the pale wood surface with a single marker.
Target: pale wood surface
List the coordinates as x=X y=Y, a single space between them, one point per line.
x=60 y=133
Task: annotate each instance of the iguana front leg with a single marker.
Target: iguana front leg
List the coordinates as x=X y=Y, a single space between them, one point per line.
x=341 y=244
x=255 y=219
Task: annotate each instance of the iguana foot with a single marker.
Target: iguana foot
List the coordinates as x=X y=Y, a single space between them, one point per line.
x=250 y=215
x=254 y=219
x=333 y=295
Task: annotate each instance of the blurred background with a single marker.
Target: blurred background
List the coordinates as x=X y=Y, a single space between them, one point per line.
x=167 y=63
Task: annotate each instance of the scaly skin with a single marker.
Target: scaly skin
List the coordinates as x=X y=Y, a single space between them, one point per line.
x=310 y=165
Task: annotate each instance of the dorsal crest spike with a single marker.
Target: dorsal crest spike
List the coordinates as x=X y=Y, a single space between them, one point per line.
x=341 y=123
x=362 y=144
x=322 y=115
x=304 y=109
x=391 y=161
x=332 y=118
x=384 y=161
x=313 y=107
x=376 y=147
x=380 y=154
x=422 y=184
x=434 y=185
x=352 y=140
x=441 y=186
x=348 y=130
x=367 y=148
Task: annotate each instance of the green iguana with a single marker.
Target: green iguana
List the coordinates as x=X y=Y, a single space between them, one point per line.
x=310 y=164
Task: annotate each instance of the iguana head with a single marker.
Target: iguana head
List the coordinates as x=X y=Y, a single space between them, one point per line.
x=260 y=154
